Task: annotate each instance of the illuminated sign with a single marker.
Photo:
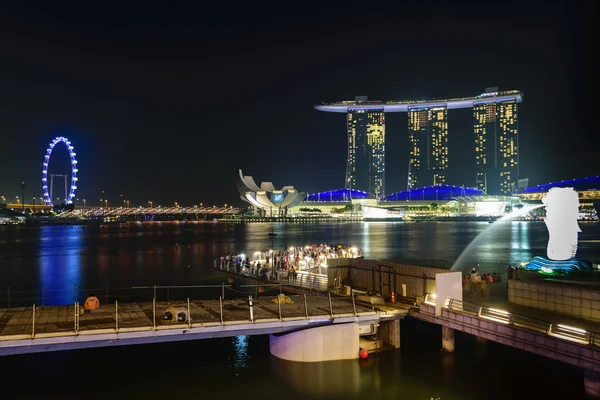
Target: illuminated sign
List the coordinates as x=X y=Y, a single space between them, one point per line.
x=277 y=197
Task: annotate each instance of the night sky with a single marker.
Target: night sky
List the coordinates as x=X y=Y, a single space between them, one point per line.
x=166 y=104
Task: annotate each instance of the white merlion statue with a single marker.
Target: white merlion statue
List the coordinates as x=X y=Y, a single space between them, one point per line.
x=562 y=211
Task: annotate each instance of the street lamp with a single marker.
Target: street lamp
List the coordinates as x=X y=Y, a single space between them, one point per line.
x=18 y=202
x=23 y=190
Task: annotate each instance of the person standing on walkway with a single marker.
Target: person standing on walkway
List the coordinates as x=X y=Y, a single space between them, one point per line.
x=474 y=279
x=483 y=288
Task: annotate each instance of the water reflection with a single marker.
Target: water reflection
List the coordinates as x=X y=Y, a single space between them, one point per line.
x=331 y=378
x=59 y=264
x=149 y=255
x=240 y=358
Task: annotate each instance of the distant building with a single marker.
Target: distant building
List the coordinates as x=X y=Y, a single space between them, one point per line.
x=428 y=146
x=496 y=140
x=439 y=192
x=365 y=169
x=267 y=200
x=496 y=129
x=10 y=216
x=588 y=189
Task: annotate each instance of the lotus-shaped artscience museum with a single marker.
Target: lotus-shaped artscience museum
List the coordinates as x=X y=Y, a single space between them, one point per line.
x=274 y=202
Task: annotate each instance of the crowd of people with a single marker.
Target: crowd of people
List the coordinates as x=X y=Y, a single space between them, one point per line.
x=476 y=283
x=270 y=263
x=302 y=257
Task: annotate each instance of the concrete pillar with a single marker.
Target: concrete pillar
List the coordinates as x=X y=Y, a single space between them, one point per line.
x=317 y=344
x=591 y=382
x=447 y=339
x=389 y=332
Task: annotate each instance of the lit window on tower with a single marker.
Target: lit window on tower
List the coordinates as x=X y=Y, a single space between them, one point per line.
x=366 y=151
x=495 y=127
x=428 y=146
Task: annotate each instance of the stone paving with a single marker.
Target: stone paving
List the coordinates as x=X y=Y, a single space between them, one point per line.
x=18 y=321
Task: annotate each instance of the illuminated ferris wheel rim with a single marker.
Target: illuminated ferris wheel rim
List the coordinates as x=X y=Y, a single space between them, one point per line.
x=74 y=170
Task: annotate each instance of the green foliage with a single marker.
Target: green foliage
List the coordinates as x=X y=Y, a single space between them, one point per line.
x=307 y=209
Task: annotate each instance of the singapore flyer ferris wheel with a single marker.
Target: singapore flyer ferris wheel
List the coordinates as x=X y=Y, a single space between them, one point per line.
x=50 y=180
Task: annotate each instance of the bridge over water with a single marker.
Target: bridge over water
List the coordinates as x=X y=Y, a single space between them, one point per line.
x=40 y=329
x=95 y=212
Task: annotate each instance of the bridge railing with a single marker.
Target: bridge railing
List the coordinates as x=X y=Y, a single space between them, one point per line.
x=561 y=331
x=34 y=320
x=11 y=297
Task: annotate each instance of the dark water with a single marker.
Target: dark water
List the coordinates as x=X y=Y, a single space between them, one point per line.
x=58 y=258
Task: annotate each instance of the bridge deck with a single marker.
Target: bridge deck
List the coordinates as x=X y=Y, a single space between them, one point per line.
x=16 y=323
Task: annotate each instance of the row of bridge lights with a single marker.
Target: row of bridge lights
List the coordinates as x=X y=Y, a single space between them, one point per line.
x=18 y=200
x=127 y=204
x=104 y=203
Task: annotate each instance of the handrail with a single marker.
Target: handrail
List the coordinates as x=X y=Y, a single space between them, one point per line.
x=10 y=297
x=122 y=322
x=561 y=331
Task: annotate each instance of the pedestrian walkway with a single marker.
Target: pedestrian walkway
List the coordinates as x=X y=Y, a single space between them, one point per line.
x=498 y=299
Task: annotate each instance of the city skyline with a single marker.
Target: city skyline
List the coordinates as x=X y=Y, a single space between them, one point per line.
x=165 y=106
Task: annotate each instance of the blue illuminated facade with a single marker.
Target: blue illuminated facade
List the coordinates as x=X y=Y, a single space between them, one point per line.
x=439 y=192
x=579 y=184
x=338 y=195
x=543 y=264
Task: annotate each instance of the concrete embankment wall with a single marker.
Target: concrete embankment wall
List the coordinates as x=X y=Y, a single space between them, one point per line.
x=384 y=277
x=561 y=298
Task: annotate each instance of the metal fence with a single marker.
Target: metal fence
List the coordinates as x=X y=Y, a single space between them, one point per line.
x=38 y=321
x=50 y=297
x=561 y=331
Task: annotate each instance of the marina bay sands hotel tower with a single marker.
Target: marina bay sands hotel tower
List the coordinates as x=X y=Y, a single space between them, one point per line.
x=495 y=127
